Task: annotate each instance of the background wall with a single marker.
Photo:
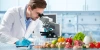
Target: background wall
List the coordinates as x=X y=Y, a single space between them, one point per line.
x=73 y=16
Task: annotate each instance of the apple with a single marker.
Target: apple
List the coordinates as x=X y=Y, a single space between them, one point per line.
x=54 y=41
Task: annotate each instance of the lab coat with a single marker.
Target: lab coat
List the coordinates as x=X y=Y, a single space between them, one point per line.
x=13 y=26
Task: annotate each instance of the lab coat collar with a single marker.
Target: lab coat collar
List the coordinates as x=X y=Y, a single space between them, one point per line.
x=22 y=17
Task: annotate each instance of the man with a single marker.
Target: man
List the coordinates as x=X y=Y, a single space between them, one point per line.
x=19 y=22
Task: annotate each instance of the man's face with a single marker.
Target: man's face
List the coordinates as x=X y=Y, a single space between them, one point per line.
x=34 y=14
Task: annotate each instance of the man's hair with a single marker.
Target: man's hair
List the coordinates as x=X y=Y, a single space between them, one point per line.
x=37 y=4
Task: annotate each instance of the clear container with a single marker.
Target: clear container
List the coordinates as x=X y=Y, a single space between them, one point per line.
x=42 y=40
x=39 y=41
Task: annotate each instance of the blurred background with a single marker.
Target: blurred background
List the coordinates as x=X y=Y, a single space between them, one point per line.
x=73 y=15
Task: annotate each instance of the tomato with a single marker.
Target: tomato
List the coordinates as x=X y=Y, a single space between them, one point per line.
x=92 y=45
x=69 y=40
x=98 y=45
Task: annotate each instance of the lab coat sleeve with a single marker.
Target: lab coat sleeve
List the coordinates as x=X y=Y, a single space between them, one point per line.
x=7 y=39
x=6 y=26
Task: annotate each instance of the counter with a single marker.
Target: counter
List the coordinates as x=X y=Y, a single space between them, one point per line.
x=25 y=48
x=13 y=47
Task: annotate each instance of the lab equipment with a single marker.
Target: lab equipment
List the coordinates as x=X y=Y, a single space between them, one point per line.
x=51 y=29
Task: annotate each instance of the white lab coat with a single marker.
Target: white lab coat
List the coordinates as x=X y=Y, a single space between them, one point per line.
x=13 y=25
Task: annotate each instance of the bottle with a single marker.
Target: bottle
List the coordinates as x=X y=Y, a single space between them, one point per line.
x=36 y=41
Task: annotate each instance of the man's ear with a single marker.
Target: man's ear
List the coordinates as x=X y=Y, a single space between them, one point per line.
x=29 y=8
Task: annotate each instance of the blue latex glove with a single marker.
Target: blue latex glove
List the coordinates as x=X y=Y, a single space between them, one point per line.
x=23 y=42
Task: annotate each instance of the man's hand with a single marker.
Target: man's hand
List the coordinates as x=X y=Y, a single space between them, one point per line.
x=23 y=43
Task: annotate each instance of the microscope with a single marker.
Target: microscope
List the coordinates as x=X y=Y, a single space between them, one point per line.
x=51 y=29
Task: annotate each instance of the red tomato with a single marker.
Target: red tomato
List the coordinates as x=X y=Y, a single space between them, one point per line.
x=69 y=40
x=92 y=45
x=98 y=45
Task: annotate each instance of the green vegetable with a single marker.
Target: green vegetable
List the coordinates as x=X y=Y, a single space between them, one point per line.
x=79 y=36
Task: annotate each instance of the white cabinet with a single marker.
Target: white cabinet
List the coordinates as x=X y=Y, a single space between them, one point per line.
x=57 y=5
x=69 y=23
x=89 y=20
x=6 y=4
x=83 y=5
x=75 y=5
x=92 y=5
